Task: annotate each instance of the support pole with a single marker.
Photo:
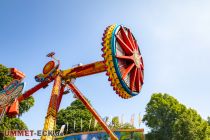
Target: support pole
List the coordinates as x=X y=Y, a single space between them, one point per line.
x=91 y=109
x=60 y=96
x=50 y=119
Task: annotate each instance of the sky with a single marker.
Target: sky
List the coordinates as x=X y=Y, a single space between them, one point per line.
x=174 y=39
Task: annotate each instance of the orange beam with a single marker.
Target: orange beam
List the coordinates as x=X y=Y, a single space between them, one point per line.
x=84 y=70
x=91 y=109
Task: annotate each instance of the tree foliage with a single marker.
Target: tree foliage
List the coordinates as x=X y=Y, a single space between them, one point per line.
x=171 y=120
x=5 y=79
x=208 y=120
x=13 y=123
x=115 y=123
x=25 y=105
x=77 y=112
x=190 y=126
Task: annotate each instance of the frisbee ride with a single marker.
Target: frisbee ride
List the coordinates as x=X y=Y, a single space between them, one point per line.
x=122 y=63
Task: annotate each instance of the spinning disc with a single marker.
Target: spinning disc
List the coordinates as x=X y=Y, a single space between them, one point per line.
x=123 y=60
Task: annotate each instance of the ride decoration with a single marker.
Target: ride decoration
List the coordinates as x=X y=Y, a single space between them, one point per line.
x=122 y=63
x=123 y=60
x=8 y=95
x=10 y=92
x=122 y=134
x=49 y=70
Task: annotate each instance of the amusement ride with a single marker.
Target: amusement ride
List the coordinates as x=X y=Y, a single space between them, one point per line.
x=122 y=63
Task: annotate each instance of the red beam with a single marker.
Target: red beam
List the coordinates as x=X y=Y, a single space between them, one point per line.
x=28 y=93
x=92 y=110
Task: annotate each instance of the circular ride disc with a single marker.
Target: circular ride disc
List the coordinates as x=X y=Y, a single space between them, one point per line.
x=123 y=60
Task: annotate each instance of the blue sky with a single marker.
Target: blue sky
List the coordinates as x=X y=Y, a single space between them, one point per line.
x=174 y=38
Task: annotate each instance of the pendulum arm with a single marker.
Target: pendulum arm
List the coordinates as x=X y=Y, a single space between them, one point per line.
x=50 y=119
x=84 y=70
x=91 y=109
x=28 y=93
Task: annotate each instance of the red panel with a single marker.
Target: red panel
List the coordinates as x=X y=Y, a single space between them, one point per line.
x=133 y=79
x=125 y=38
x=138 y=80
x=16 y=74
x=125 y=57
x=127 y=70
x=14 y=109
x=130 y=36
x=124 y=46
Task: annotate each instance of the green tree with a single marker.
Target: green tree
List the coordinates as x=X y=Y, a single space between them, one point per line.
x=25 y=105
x=208 y=120
x=127 y=126
x=115 y=123
x=171 y=120
x=5 y=79
x=190 y=126
x=13 y=123
x=76 y=112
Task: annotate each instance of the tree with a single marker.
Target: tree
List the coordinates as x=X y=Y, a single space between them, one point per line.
x=5 y=79
x=75 y=114
x=13 y=123
x=161 y=111
x=208 y=120
x=171 y=120
x=127 y=126
x=115 y=123
x=25 y=105
x=190 y=126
